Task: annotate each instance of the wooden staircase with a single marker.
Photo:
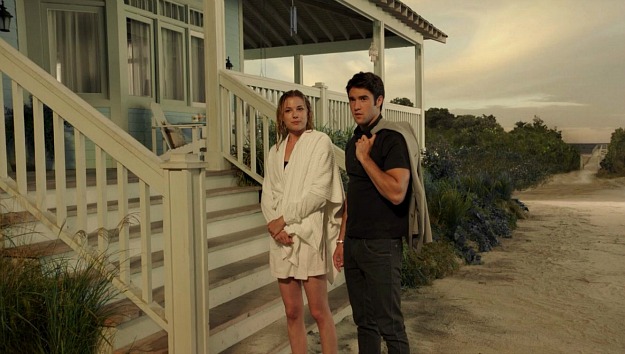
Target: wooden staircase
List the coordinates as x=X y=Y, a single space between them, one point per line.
x=161 y=201
x=246 y=312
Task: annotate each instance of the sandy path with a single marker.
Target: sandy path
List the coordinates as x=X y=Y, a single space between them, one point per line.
x=557 y=286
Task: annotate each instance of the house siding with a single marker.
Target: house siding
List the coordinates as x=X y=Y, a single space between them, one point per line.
x=232 y=33
x=11 y=38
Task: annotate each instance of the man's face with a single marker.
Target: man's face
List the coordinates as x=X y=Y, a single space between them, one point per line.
x=364 y=108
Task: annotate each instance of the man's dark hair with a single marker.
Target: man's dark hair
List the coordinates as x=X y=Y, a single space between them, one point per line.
x=369 y=81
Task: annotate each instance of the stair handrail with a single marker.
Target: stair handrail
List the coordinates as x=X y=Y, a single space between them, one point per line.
x=108 y=139
x=232 y=86
x=81 y=115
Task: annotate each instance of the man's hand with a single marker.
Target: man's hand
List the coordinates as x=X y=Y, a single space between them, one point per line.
x=363 y=147
x=393 y=183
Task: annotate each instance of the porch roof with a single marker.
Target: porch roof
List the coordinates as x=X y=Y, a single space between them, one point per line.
x=323 y=23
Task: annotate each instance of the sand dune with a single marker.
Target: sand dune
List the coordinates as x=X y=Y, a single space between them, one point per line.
x=557 y=286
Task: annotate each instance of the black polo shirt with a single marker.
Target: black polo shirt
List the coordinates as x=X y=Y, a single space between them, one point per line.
x=369 y=214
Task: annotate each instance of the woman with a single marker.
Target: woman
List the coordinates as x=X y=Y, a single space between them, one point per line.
x=302 y=202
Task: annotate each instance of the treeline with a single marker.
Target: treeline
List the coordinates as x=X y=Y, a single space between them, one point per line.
x=527 y=155
x=613 y=164
x=472 y=167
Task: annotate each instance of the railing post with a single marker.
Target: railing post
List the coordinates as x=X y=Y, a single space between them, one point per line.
x=185 y=252
x=215 y=59
x=323 y=111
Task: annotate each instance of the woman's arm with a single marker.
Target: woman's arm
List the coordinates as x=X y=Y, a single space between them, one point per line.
x=320 y=173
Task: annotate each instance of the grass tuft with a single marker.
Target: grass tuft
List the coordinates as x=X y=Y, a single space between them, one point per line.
x=52 y=305
x=435 y=261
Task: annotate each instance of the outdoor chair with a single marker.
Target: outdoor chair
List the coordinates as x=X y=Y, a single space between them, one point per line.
x=174 y=140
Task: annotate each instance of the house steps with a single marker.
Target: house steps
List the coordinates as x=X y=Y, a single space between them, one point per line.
x=245 y=303
x=265 y=333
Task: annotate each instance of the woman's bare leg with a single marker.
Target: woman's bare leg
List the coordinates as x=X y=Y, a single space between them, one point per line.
x=317 y=294
x=291 y=292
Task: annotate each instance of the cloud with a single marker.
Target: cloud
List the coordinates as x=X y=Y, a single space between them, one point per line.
x=562 y=60
x=527 y=101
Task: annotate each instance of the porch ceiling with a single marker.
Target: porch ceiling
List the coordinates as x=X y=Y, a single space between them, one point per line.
x=266 y=25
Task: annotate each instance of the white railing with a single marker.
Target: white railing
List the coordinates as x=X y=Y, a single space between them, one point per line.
x=142 y=177
x=248 y=106
x=330 y=109
x=247 y=112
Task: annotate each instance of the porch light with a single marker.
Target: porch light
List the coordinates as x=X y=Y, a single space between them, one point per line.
x=229 y=65
x=373 y=52
x=5 y=18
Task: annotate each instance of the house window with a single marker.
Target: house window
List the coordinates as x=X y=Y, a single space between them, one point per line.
x=139 y=48
x=198 y=92
x=173 y=65
x=165 y=53
x=76 y=48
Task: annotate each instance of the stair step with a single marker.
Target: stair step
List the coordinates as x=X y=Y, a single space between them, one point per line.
x=239 y=278
x=221 y=178
x=236 y=238
x=237 y=246
x=272 y=339
x=244 y=307
x=58 y=247
x=225 y=214
x=232 y=220
x=229 y=197
x=237 y=270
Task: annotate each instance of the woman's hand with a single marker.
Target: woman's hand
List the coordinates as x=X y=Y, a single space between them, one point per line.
x=283 y=238
x=276 y=226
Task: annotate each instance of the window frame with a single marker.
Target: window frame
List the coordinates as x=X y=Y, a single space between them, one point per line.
x=199 y=35
x=161 y=57
x=153 y=89
x=50 y=44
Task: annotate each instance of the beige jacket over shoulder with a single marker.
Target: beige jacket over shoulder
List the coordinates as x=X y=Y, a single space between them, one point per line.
x=419 y=216
x=308 y=193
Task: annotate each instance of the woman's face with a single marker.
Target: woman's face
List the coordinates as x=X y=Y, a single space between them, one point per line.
x=295 y=115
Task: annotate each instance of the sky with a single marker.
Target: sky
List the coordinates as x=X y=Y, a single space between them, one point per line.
x=560 y=60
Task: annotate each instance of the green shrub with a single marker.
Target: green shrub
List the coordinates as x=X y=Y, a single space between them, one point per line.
x=436 y=260
x=613 y=164
x=447 y=205
x=338 y=137
x=53 y=305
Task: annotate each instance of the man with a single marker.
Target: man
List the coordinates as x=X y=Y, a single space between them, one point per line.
x=378 y=210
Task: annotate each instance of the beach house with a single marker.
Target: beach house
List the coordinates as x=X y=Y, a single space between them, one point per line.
x=140 y=110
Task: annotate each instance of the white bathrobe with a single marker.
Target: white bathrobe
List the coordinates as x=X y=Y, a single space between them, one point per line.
x=308 y=193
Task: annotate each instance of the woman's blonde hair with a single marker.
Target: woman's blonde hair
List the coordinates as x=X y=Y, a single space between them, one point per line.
x=281 y=130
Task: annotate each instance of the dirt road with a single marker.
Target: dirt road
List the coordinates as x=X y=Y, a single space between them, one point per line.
x=557 y=286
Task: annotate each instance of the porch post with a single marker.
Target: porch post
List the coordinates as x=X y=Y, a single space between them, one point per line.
x=215 y=60
x=186 y=255
x=298 y=68
x=322 y=111
x=378 y=39
x=418 y=70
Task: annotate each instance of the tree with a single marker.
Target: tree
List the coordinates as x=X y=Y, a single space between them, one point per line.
x=402 y=101
x=614 y=162
x=439 y=118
